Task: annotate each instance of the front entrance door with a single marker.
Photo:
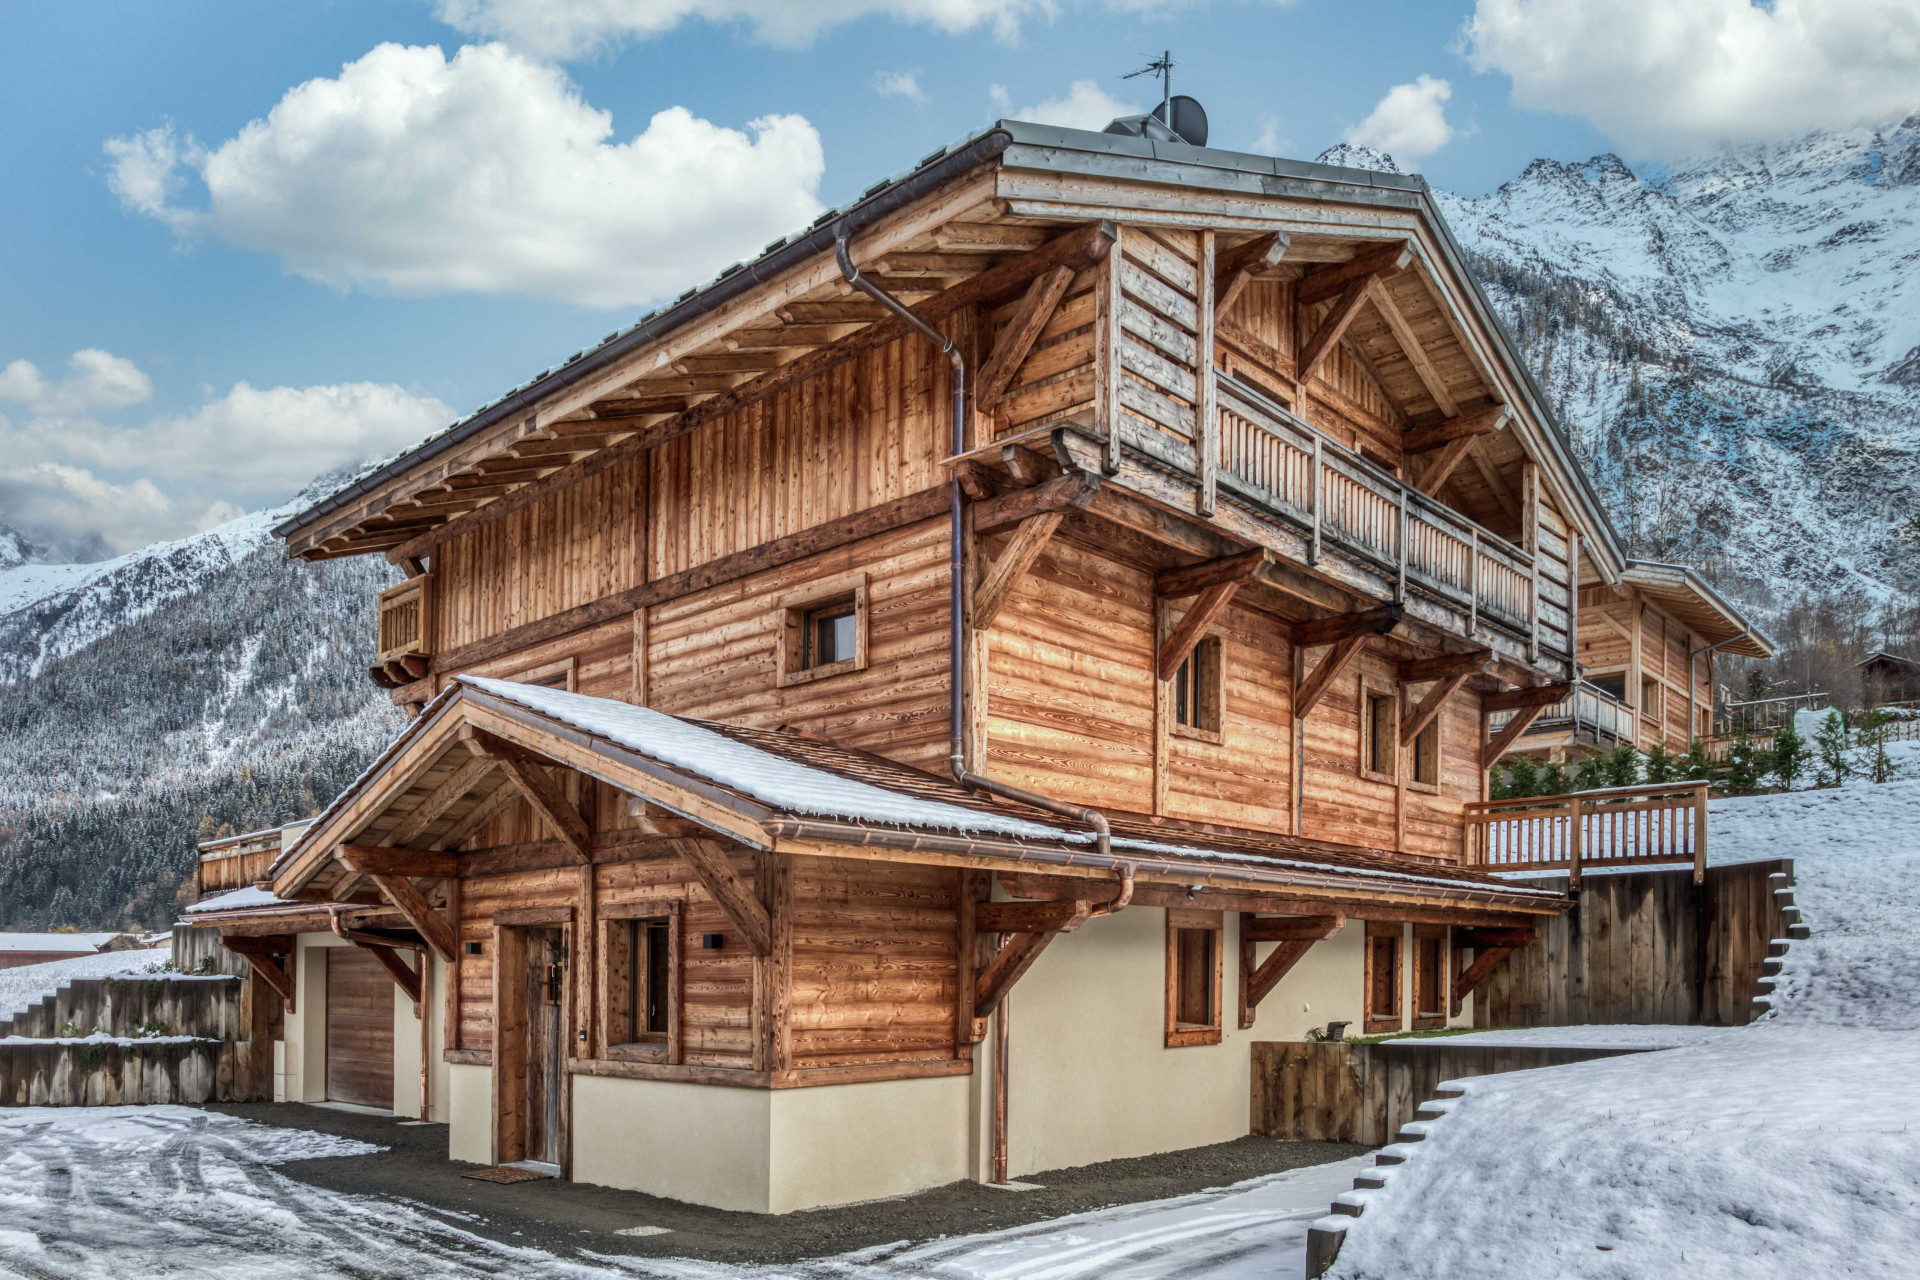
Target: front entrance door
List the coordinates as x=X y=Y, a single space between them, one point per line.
x=359 y=1029
x=547 y=991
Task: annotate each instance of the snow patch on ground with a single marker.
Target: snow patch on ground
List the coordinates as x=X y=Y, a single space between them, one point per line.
x=1778 y=1151
x=1608 y=1036
x=28 y=985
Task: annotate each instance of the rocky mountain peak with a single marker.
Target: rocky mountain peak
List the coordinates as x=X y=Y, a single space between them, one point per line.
x=1348 y=155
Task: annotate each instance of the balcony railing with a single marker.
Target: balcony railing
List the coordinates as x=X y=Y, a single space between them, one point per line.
x=1588 y=710
x=1622 y=827
x=1344 y=503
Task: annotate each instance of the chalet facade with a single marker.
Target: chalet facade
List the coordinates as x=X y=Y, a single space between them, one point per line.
x=1085 y=580
x=1648 y=642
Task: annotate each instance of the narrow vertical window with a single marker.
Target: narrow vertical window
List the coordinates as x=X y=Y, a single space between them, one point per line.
x=1379 y=732
x=1194 y=956
x=639 y=975
x=1383 y=977
x=1429 y=976
x=1426 y=755
x=1196 y=689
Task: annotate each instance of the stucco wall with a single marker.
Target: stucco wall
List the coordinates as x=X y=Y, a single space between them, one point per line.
x=835 y=1144
x=705 y=1144
x=469 y=1100
x=1090 y=1077
x=300 y=1061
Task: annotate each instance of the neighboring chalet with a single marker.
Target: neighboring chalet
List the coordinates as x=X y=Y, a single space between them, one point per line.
x=732 y=848
x=1888 y=677
x=1647 y=647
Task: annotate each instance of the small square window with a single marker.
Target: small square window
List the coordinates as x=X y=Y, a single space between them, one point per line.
x=823 y=630
x=1193 y=977
x=1195 y=702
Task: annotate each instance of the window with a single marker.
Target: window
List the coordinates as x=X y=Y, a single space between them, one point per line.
x=1429 y=976
x=1426 y=755
x=823 y=630
x=552 y=675
x=1193 y=976
x=1614 y=685
x=1379 y=732
x=1383 y=976
x=1196 y=691
x=1649 y=696
x=640 y=991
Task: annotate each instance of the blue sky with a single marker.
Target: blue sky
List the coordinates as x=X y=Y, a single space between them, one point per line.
x=247 y=315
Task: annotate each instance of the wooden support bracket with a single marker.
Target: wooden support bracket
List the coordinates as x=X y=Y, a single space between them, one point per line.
x=1070 y=492
x=1017 y=339
x=1370 y=622
x=383 y=860
x=1031 y=917
x=1510 y=733
x=1332 y=327
x=419 y=913
x=1172 y=584
x=1494 y=946
x=1467 y=425
x=1192 y=627
x=1028 y=541
x=1235 y=269
x=1296 y=936
x=1315 y=686
x=1324 y=282
x=537 y=787
x=1544 y=695
x=1429 y=707
x=709 y=861
x=261 y=953
x=1444 y=464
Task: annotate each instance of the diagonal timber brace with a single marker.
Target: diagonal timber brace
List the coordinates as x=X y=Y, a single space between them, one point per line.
x=1296 y=936
x=1492 y=947
x=709 y=861
x=1022 y=549
x=1019 y=949
x=262 y=955
x=537 y=787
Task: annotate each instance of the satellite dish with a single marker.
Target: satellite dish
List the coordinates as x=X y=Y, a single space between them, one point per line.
x=1186 y=117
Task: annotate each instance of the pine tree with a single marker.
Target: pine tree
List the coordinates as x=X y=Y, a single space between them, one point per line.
x=1697 y=765
x=1523 y=778
x=1661 y=765
x=1830 y=744
x=1553 y=779
x=1874 y=732
x=1743 y=767
x=1591 y=775
x=1623 y=766
x=1790 y=755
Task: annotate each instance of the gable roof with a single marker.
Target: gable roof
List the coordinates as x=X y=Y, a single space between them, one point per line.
x=1687 y=596
x=765 y=788
x=1046 y=149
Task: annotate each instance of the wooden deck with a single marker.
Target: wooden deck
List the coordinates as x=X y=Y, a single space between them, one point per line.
x=1622 y=827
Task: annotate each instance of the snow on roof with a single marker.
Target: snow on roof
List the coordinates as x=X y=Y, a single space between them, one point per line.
x=78 y=943
x=247 y=897
x=773 y=780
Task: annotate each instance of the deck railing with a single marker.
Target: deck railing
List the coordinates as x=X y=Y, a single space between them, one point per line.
x=404 y=614
x=1587 y=709
x=1340 y=498
x=1623 y=826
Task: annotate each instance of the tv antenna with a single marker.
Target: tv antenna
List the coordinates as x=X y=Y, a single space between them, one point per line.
x=1161 y=66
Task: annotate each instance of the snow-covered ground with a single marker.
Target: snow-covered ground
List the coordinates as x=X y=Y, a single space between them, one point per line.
x=1780 y=1151
x=26 y=986
x=106 y=1193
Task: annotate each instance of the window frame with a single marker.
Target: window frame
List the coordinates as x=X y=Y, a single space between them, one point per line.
x=1432 y=937
x=1374 y=1021
x=613 y=989
x=542 y=676
x=1181 y=920
x=1210 y=691
x=1428 y=740
x=1371 y=689
x=1652 y=697
x=793 y=612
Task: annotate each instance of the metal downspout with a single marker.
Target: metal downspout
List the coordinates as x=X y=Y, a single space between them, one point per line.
x=956 y=675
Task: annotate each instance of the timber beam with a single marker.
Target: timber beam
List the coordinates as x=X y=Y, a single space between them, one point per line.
x=1296 y=936
x=1510 y=733
x=1071 y=492
x=1030 y=917
x=385 y=860
x=1029 y=539
x=1017 y=339
x=1236 y=268
x=1038 y=885
x=1467 y=425
x=1332 y=327
x=262 y=953
x=1488 y=956
x=1172 y=584
x=1444 y=464
x=709 y=861
x=1421 y=670
x=537 y=787
x=1217 y=582
x=1429 y=707
x=1520 y=699
x=1324 y=282
x=421 y=914
x=1018 y=950
x=443 y=797
x=1341 y=626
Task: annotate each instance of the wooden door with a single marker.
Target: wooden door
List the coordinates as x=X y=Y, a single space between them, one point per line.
x=359 y=1029
x=547 y=995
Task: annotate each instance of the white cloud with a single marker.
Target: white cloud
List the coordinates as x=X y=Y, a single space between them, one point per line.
x=98 y=380
x=65 y=465
x=485 y=174
x=899 y=84
x=1270 y=142
x=1661 y=76
x=1410 y=122
x=572 y=28
x=1085 y=105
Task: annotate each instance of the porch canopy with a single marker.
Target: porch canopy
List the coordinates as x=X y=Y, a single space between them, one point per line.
x=410 y=821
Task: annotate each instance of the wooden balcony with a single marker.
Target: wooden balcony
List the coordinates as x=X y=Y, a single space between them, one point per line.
x=1658 y=824
x=234 y=862
x=1589 y=716
x=405 y=632
x=1319 y=503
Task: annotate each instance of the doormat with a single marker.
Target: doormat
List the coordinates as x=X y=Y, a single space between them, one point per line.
x=508 y=1174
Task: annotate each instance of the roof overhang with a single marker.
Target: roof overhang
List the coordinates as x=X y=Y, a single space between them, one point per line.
x=1684 y=594
x=659 y=759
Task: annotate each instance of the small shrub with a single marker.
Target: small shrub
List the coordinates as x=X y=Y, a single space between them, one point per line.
x=1830 y=749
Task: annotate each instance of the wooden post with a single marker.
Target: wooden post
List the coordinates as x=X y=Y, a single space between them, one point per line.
x=1576 y=839
x=1106 y=336
x=1700 y=832
x=1400 y=550
x=1001 y=1034
x=1473 y=587
x=1530 y=534
x=426 y=1033
x=1319 y=501
x=1206 y=411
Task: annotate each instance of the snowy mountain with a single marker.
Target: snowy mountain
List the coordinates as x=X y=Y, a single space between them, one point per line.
x=1734 y=344
x=156 y=698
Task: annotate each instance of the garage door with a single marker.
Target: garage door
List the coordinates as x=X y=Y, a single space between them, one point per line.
x=359 y=1029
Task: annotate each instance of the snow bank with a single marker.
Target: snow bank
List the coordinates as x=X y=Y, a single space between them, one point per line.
x=22 y=988
x=1607 y=1036
x=1778 y=1151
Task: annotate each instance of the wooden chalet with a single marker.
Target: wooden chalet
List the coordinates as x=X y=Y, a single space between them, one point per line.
x=1647 y=647
x=1080 y=577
